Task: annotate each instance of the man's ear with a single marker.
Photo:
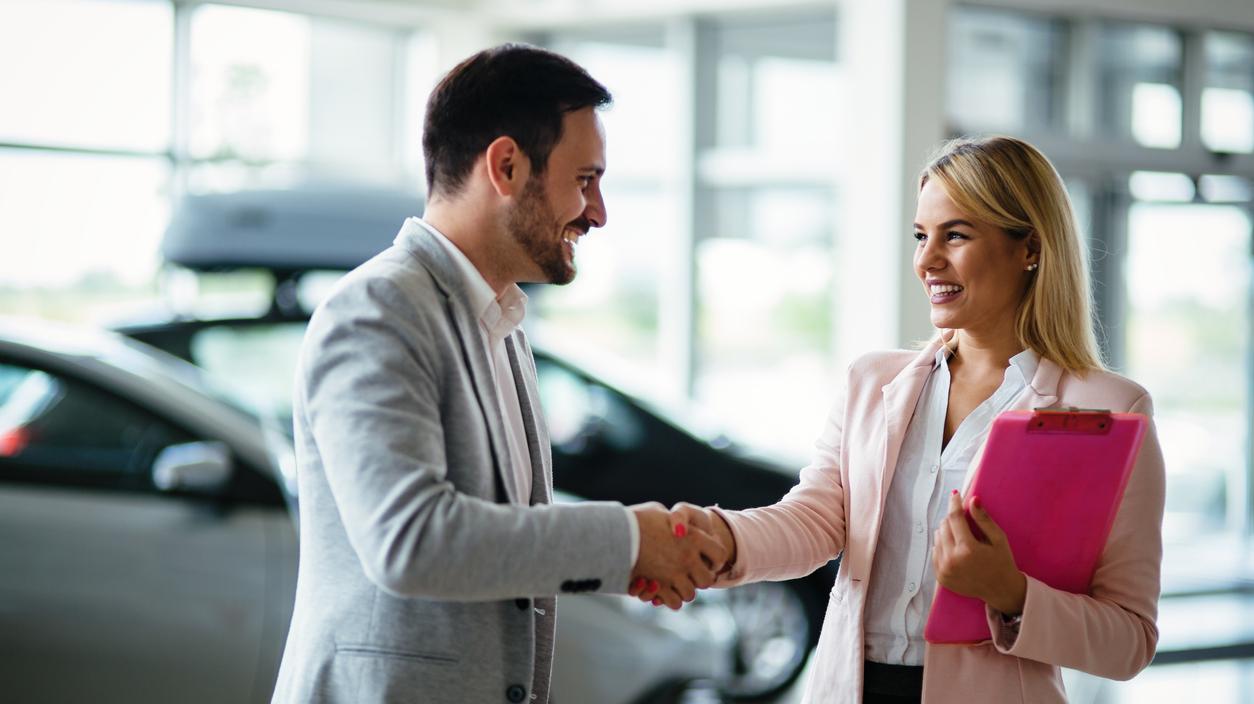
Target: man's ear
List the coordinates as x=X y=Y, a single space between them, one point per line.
x=508 y=168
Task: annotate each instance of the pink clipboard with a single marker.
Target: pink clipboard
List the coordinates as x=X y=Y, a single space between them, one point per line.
x=1053 y=481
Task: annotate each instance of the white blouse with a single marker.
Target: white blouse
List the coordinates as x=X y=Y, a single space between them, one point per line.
x=902 y=582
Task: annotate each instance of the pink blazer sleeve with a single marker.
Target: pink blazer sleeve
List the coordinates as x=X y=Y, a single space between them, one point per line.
x=1109 y=632
x=805 y=529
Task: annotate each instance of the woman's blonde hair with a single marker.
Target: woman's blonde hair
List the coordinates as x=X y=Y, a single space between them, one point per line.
x=1008 y=183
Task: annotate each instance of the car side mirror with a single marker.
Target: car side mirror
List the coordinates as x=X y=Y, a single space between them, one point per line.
x=199 y=467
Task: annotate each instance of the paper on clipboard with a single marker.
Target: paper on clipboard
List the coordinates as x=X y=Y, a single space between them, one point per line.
x=1052 y=480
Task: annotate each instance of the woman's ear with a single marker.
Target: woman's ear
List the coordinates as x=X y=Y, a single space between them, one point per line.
x=1034 y=249
x=508 y=168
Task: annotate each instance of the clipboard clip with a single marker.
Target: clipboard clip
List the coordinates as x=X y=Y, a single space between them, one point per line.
x=1085 y=421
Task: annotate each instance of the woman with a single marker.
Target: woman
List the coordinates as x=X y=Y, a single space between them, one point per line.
x=999 y=259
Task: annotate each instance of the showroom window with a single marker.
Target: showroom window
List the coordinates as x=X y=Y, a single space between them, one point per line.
x=612 y=308
x=718 y=259
x=1008 y=71
x=85 y=139
x=103 y=130
x=765 y=227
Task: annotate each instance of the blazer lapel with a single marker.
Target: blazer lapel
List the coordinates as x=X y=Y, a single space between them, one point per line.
x=1042 y=392
x=869 y=489
x=415 y=238
x=901 y=395
x=533 y=423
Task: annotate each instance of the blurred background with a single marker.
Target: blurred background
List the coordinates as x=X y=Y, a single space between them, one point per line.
x=762 y=162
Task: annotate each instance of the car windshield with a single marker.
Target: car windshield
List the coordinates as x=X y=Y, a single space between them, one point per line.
x=254 y=364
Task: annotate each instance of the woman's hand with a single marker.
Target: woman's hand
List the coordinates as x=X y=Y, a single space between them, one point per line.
x=685 y=518
x=983 y=568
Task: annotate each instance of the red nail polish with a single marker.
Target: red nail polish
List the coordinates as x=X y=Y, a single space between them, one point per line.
x=955 y=492
x=654 y=585
x=657 y=602
x=638 y=584
x=681 y=530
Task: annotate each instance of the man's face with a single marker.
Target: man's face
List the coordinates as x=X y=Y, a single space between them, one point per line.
x=559 y=207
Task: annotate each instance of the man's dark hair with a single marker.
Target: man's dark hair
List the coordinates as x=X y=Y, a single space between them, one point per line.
x=512 y=90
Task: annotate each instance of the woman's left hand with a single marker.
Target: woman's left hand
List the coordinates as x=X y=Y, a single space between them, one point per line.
x=980 y=568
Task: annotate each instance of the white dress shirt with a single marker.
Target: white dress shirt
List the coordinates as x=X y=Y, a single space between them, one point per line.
x=902 y=582
x=499 y=315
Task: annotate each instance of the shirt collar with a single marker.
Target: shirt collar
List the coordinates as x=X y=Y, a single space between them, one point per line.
x=499 y=315
x=1025 y=363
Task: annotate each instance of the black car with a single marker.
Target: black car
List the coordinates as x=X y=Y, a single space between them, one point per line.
x=607 y=444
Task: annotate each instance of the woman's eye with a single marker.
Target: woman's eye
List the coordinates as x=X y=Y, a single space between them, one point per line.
x=955 y=236
x=920 y=237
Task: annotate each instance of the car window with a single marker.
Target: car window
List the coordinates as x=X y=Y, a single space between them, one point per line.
x=579 y=410
x=254 y=364
x=59 y=430
x=566 y=400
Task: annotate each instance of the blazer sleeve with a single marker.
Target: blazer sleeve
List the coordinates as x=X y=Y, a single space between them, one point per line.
x=372 y=405
x=805 y=529
x=1111 y=631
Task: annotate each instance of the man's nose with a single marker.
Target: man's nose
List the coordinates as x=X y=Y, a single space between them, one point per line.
x=595 y=211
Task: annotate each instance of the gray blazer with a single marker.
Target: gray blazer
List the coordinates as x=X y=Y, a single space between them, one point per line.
x=422 y=577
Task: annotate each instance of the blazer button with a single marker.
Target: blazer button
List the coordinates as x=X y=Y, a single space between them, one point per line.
x=516 y=693
x=522 y=604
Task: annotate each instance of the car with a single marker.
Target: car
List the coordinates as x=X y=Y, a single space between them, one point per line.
x=150 y=547
x=608 y=444
x=147 y=554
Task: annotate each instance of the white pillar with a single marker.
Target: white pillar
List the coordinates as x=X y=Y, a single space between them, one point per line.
x=892 y=55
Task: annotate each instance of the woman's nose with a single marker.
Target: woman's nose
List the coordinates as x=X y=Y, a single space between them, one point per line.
x=930 y=255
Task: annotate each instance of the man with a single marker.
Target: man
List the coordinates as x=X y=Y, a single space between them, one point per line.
x=429 y=548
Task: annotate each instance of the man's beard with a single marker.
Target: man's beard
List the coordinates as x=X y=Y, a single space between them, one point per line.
x=532 y=224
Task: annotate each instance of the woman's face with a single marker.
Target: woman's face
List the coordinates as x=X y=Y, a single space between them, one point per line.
x=973 y=274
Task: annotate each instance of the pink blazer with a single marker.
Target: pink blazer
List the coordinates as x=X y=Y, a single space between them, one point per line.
x=837 y=507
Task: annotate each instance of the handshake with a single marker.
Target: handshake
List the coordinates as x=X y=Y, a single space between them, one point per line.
x=681 y=550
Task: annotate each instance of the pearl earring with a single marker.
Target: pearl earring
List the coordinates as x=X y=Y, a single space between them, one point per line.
x=1031 y=267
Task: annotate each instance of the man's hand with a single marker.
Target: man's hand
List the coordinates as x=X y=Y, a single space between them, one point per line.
x=686 y=520
x=674 y=562
x=980 y=567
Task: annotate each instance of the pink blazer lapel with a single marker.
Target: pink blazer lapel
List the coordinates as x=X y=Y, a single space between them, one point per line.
x=1042 y=392
x=867 y=498
x=901 y=395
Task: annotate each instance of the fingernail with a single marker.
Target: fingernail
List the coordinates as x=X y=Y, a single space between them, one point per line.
x=657 y=602
x=955 y=492
x=680 y=530
x=654 y=585
x=638 y=584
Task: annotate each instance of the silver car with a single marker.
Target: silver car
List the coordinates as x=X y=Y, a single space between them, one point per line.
x=148 y=553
